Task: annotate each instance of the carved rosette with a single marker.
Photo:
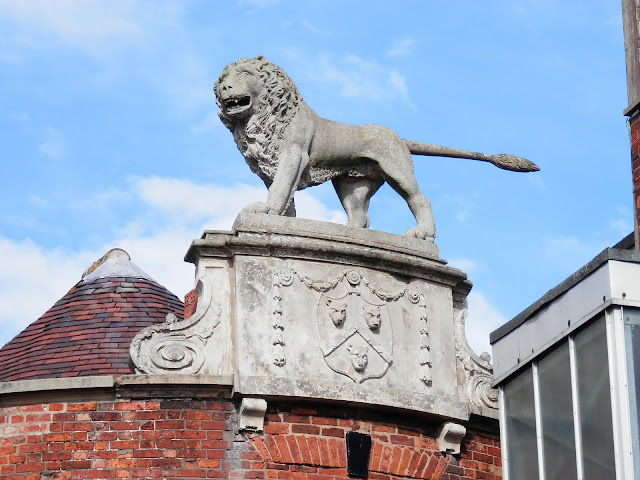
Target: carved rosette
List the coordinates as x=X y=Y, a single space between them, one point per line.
x=478 y=370
x=354 y=325
x=177 y=346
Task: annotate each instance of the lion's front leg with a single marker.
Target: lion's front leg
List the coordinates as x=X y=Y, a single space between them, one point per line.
x=262 y=207
x=285 y=183
x=256 y=207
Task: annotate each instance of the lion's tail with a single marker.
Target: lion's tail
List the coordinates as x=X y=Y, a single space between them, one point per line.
x=506 y=162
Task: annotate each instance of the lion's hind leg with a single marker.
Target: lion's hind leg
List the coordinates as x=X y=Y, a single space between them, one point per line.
x=354 y=194
x=397 y=169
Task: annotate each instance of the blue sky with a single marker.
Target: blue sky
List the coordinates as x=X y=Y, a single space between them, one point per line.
x=109 y=134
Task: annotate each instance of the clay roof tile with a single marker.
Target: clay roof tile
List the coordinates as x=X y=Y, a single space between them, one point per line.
x=88 y=331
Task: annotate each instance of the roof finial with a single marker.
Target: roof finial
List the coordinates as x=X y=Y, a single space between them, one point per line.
x=115 y=253
x=115 y=263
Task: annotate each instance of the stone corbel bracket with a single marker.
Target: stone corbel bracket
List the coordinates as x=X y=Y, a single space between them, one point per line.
x=177 y=346
x=450 y=438
x=476 y=371
x=252 y=412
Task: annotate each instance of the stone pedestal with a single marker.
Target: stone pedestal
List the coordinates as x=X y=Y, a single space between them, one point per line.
x=294 y=308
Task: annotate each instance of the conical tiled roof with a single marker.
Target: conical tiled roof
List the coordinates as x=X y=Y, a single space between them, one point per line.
x=88 y=331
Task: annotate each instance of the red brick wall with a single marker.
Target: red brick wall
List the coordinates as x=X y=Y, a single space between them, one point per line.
x=190 y=303
x=195 y=439
x=635 y=171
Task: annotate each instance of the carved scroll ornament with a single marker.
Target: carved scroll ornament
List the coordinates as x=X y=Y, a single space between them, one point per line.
x=478 y=370
x=177 y=346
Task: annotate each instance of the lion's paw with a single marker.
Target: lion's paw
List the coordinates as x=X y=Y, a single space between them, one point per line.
x=256 y=207
x=421 y=233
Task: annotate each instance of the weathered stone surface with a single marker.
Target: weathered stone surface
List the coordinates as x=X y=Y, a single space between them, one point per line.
x=248 y=223
x=174 y=385
x=296 y=308
x=48 y=384
x=475 y=372
x=290 y=148
x=178 y=344
x=450 y=437
x=251 y=415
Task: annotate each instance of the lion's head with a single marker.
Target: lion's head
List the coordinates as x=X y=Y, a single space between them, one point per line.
x=257 y=100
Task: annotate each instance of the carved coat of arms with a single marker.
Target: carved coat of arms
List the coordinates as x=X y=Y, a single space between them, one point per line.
x=354 y=330
x=353 y=324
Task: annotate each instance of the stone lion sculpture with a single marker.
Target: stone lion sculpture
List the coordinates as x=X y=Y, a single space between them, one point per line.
x=291 y=148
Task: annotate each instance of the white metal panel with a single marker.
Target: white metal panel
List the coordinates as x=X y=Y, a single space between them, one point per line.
x=576 y=409
x=620 y=415
x=505 y=355
x=620 y=392
x=552 y=322
x=624 y=280
x=503 y=434
x=538 y=416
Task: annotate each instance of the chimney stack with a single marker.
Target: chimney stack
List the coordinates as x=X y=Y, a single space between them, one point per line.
x=631 y=20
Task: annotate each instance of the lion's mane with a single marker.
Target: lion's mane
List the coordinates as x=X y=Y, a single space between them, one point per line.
x=259 y=137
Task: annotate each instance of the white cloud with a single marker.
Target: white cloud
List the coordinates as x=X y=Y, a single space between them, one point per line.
x=33 y=277
x=209 y=123
x=311 y=27
x=190 y=209
x=572 y=251
x=258 y=3
x=465 y=264
x=12 y=58
x=191 y=81
x=623 y=224
x=401 y=47
x=363 y=78
x=109 y=195
x=125 y=35
x=83 y=24
x=53 y=143
x=94 y=27
x=20 y=117
x=100 y=200
x=37 y=201
x=483 y=318
x=188 y=202
x=161 y=256
x=129 y=39
x=307 y=206
x=462 y=206
x=537 y=180
x=399 y=83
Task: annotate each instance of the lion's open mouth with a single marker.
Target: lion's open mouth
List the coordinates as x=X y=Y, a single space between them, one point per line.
x=235 y=105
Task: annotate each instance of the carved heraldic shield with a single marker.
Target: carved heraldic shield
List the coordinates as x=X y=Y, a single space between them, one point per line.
x=354 y=330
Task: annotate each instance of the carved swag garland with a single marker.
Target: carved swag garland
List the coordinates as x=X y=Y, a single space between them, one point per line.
x=347 y=340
